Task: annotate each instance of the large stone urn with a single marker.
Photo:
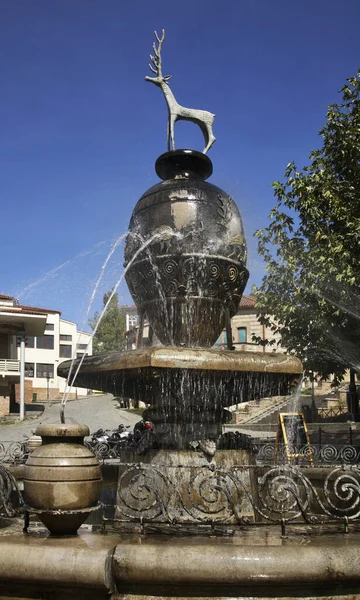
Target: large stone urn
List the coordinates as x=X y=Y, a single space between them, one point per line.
x=62 y=478
x=186 y=253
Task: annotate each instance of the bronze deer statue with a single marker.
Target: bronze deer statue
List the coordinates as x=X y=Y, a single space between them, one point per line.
x=177 y=112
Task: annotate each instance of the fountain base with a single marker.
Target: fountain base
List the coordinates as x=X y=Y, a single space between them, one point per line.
x=188 y=487
x=255 y=563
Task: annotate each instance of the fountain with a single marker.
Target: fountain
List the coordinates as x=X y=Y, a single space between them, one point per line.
x=185 y=261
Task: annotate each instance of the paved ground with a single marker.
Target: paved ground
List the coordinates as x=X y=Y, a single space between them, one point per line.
x=95 y=411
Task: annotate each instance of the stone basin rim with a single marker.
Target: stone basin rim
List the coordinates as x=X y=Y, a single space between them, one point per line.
x=167 y=357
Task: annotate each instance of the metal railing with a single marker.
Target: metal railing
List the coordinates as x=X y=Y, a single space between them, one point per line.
x=333 y=411
x=222 y=496
x=313 y=455
x=237 y=495
x=11 y=501
x=9 y=365
x=12 y=452
x=266 y=411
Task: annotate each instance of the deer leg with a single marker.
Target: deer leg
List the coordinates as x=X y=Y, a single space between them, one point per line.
x=168 y=135
x=205 y=133
x=172 y=124
x=208 y=135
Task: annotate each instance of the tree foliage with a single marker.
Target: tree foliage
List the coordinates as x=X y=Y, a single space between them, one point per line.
x=109 y=336
x=310 y=294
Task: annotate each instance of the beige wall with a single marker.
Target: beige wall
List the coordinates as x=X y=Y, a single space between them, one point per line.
x=4 y=400
x=246 y=318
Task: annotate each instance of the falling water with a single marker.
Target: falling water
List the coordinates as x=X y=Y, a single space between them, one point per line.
x=136 y=254
x=50 y=274
x=163 y=305
x=101 y=274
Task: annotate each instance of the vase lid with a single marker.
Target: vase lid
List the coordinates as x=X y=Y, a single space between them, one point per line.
x=183 y=164
x=62 y=430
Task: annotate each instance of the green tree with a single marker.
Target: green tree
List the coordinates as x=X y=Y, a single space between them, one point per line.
x=109 y=336
x=310 y=294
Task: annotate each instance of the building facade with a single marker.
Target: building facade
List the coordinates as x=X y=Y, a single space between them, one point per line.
x=40 y=340
x=61 y=341
x=244 y=325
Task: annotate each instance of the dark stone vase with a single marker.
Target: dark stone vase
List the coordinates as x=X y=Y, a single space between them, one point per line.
x=186 y=253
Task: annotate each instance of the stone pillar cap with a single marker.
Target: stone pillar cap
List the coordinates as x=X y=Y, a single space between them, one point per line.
x=62 y=430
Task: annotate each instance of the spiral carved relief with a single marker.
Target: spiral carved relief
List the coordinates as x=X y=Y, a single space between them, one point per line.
x=224 y=495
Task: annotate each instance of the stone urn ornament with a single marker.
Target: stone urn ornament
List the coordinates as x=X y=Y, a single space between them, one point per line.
x=62 y=478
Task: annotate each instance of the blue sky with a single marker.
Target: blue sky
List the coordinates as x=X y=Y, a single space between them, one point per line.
x=80 y=129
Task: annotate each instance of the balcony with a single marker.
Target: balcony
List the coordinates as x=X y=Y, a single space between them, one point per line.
x=9 y=366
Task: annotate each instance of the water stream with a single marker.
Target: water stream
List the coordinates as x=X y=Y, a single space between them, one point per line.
x=25 y=292
x=92 y=298
x=154 y=237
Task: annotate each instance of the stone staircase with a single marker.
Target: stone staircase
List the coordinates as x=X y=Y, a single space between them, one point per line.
x=262 y=411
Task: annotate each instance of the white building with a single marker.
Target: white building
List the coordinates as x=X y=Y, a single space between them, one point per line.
x=49 y=340
x=43 y=354
x=131 y=316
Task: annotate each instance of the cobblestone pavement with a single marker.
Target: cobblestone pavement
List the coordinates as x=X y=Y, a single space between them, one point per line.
x=95 y=411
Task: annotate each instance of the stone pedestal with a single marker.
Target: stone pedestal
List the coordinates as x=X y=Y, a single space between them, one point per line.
x=170 y=486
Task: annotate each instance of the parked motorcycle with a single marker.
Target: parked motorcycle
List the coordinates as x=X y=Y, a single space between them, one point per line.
x=108 y=444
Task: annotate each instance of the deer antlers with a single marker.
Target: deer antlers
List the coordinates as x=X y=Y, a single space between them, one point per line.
x=155 y=58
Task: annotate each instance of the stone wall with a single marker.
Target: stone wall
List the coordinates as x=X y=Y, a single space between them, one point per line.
x=41 y=393
x=28 y=390
x=4 y=405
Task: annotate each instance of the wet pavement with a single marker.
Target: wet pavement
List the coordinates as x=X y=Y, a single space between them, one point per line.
x=96 y=411
x=251 y=535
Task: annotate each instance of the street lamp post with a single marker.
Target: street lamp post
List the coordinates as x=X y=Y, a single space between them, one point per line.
x=22 y=376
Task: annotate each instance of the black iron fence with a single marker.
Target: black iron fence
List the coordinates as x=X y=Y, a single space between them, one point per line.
x=11 y=501
x=13 y=452
x=270 y=453
x=238 y=495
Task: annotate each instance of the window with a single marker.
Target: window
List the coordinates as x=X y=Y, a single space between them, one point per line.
x=29 y=342
x=29 y=369
x=133 y=320
x=241 y=335
x=45 y=342
x=80 y=354
x=65 y=351
x=49 y=327
x=81 y=346
x=65 y=338
x=44 y=370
